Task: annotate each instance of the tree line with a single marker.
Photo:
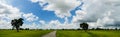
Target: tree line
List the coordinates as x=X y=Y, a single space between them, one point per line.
x=16 y=23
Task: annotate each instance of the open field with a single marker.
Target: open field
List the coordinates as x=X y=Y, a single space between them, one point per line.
x=60 y=33
x=90 y=33
x=23 y=33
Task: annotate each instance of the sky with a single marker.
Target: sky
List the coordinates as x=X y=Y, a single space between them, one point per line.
x=60 y=14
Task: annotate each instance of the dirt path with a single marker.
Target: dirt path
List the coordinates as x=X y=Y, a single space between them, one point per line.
x=51 y=34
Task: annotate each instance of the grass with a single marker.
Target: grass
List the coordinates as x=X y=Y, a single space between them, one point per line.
x=61 y=33
x=23 y=33
x=90 y=33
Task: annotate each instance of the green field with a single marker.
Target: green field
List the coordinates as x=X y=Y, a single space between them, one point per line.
x=23 y=33
x=90 y=33
x=61 y=33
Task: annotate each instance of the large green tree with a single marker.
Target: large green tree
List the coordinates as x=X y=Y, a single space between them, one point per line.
x=84 y=26
x=16 y=23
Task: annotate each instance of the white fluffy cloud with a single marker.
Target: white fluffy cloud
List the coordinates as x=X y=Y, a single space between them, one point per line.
x=4 y=24
x=30 y=17
x=42 y=22
x=95 y=12
x=7 y=13
x=56 y=24
x=79 y=16
x=97 y=8
x=62 y=8
x=31 y=26
x=99 y=12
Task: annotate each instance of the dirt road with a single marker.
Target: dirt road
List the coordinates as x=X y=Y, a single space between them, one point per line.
x=51 y=34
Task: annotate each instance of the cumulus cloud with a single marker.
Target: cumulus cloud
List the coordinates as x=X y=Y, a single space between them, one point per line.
x=97 y=8
x=42 y=22
x=30 y=17
x=34 y=0
x=7 y=13
x=31 y=26
x=56 y=24
x=4 y=24
x=62 y=8
x=79 y=16
x=99 y=12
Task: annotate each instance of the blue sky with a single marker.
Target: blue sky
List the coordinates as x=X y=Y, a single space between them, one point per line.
x=58 y=14
x=27 y=6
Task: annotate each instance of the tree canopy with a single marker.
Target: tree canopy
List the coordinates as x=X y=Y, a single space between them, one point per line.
x=16 y=23
x=84 y=26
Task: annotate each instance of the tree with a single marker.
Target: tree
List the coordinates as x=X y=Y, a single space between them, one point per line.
x=26 y=28
x=13 y=23
x=16 y=23
x=84 y=26
x=116 y=29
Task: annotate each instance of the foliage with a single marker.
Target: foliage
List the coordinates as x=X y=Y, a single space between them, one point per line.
x=23 y=33
x=16 y=23
x=84 y=26
x=90 y=33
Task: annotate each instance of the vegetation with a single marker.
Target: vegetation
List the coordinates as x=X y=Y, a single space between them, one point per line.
x=16 y=23
x=23 y=33
x=90 y=33
x=84 y=32
x=84 y=26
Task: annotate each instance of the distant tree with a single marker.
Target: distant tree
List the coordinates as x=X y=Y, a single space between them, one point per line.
x=13 y=23
x=26 y=28
x=99 y=28
x=16 y=23
x=63 y=28
x=93 y=29
x=21 y=28
x=78 y=29
x=84 y=26
x=116 y=29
